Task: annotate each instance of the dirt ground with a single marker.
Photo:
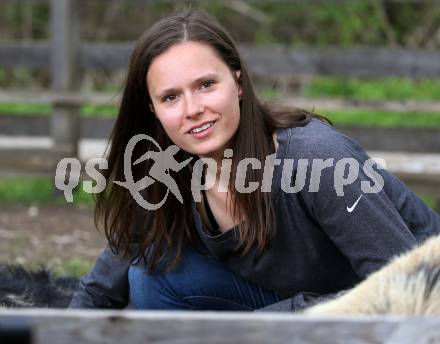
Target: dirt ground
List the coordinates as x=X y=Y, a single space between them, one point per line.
x=47 y=235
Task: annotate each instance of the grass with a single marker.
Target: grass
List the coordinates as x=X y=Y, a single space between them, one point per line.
x=384 y=118
x=430 y=201
x=74 y=267
x=374 y=89
x=38 y=190
x=87 y=110
x=25 y=109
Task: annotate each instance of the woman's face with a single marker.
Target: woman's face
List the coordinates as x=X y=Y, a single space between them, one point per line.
x=195 y=97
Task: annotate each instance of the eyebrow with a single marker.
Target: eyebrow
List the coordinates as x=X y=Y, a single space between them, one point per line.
x=194 y=82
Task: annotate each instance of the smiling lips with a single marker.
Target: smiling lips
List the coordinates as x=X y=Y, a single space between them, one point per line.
x=202 y=130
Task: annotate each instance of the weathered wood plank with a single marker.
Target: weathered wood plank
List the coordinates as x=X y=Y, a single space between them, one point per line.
x=73 y=98
x=360 y=61
x=208 y=327
x=25 y=54
x=118 y=54
x=417 y=330
x=39 y=125
x=271 y=61
x=37 y=160
x=81 y=326
x=420 y=172
x=394 y=139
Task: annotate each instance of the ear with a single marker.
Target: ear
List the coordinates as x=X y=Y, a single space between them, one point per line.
x=237 y=78
x=237 y=75
x=151 y=108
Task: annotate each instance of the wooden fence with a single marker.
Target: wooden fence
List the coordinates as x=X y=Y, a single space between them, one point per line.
x=267 y=61
x=67 y=56
x=87 y=327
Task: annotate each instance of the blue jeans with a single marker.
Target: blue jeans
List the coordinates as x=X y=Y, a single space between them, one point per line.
x=198 y=283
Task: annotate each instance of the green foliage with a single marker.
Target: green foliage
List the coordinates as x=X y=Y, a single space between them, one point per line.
x=391 y=88
x=103 y=111
x=29 y=19
x=25 y=190
x=80 y=197
x=324 y=23
x=297 y=23
x=87 y=110
x=342 y=22
x=39 y=190
x=383 y=119
x=25 y=108
x=430 y=201
x=74 y=267
x=269 y=93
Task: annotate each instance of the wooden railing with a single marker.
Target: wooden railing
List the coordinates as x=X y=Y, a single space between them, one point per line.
x=81 y=326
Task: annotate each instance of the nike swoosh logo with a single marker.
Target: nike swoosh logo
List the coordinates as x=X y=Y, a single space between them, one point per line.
x=350 y=209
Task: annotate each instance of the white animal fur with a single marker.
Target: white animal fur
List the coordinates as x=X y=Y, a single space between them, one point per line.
x=408 y=285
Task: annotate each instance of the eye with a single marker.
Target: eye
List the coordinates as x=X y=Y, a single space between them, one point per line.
x=169 y=98
x=207 y=83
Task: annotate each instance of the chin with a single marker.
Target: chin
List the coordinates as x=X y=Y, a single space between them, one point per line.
x=207 y=151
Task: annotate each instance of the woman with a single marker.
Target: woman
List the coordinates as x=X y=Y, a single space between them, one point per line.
x=282 y=243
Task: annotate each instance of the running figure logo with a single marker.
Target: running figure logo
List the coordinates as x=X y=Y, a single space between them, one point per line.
x=164 y=161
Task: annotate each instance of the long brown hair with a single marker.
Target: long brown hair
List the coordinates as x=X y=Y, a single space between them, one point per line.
x=163 y=232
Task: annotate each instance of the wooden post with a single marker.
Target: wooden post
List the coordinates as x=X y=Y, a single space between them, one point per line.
x=65 y=76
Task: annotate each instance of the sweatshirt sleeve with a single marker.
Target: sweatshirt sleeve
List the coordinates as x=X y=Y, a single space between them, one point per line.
x=106 y=286
x=347 y=201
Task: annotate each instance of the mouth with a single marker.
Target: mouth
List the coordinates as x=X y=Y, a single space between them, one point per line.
x=202 y=130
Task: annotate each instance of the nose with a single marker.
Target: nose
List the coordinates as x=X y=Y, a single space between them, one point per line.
x=193 y=106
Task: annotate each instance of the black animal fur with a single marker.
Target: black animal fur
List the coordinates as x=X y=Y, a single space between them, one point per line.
x=22 y=288
x=408 y=285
